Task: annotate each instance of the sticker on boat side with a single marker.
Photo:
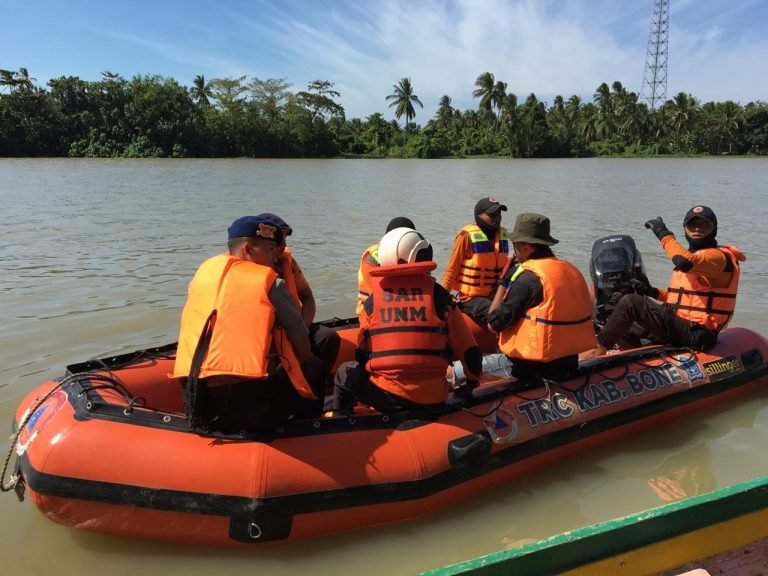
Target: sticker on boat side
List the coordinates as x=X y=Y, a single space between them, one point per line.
x=723 y=368
x=691 y=367
x=501 y=426
x=39 y=419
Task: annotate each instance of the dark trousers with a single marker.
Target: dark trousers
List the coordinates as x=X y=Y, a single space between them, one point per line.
x=658 y=319
x=262 y=404
x=477 y=309
x=353 y=384
x=325 y=344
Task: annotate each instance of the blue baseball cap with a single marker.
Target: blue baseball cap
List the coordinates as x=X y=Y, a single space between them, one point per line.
x=282 y=224
x=256 y=227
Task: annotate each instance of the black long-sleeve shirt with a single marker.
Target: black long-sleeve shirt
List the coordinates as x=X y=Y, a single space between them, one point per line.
x=524 y=293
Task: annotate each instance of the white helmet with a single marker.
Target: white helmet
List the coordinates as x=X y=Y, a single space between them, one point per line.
x=400 y=246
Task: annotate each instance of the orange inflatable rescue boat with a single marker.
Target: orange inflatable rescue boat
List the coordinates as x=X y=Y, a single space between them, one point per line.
x=109 y=448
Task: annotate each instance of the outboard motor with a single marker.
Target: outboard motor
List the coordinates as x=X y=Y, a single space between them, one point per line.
x=614 y=267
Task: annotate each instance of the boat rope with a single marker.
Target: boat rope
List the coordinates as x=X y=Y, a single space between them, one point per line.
x=107 y=381
x=677 y=358
x=14 y=478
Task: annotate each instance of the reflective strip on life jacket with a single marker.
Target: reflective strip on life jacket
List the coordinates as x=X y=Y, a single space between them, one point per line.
x=286 y=273
x=694 y=300
x=363 y=280
x=562 y=324
x=479 y=275
x=405 y=331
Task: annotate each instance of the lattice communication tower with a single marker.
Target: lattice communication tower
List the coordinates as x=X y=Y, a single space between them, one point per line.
x=654 y=89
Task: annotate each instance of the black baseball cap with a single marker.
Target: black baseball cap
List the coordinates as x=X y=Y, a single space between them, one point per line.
x=488 y=206
x=400 y=222
x=700 y=212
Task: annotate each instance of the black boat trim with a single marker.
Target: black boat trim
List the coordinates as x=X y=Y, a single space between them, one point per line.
x=272 y=515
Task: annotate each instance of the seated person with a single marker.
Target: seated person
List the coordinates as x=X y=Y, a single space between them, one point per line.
x=542 y=311
x=480 y=252
x=409 y=330
x=325 y=341
x=244 y=357
x=701 y=297
x=370 y=260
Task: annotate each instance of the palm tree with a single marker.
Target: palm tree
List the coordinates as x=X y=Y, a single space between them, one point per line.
x=107 y=75
x=403 y=99
x=557 y=122
x=7 y=79
x=634 y=118
x=604 y=105
x=659 y=124
x=485 y=91
x=444 y=113
x=15 y=80
x=572 y=114
x=201 y=91
x=497 y=97
x=603 y=98
x=23 y=80
x=732 y=118
x=682 y=108
x=589 y=118
x=491 y=94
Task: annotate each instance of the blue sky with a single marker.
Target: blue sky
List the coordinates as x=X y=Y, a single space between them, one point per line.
x=718 y=48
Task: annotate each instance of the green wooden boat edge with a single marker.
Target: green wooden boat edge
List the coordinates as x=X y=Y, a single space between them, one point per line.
x=579 y=547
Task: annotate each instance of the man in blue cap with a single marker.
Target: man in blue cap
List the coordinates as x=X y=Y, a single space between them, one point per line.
x=325 y=341
x=244 y=354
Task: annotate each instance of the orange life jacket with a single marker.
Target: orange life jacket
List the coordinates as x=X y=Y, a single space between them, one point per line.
x=479 y=275
x=695 y=300
x=234 y=295
x=405 y=334
x=363 y=279
x=562 y=324
x=286 y=273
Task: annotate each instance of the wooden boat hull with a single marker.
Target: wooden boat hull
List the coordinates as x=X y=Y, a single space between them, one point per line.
x=723 y=532
x=94 y=456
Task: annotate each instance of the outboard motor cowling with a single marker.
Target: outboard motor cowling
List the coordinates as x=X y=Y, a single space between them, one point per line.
x=614 y=267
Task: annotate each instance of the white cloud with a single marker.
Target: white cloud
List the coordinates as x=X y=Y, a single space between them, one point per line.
x=444 y=47
x=549 y=47
x=713 y=70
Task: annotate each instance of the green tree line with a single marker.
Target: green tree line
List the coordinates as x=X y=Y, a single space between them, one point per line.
x=154 y=116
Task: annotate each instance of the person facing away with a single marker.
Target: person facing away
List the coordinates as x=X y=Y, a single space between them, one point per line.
x=409 y=331
x=701 y=296
x=480 y=252
x=325 y=341
x=370 y=260
x=542 y=310
x=243 y=348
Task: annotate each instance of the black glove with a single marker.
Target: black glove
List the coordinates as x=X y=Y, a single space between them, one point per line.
x=658 y=227
x=682 y=263
x=643 y=286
